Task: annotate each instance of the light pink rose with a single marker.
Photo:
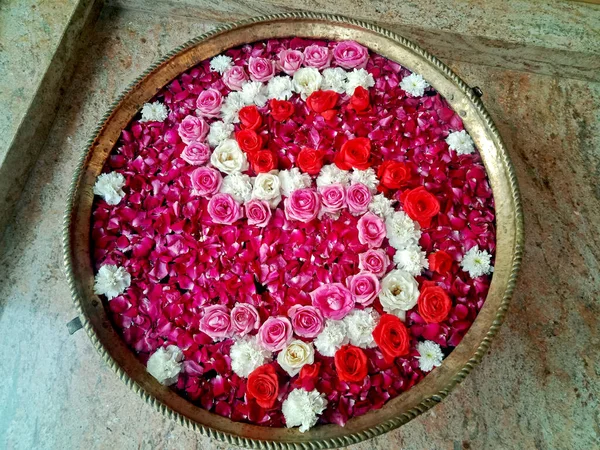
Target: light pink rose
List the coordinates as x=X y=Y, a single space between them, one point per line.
x=358 y=198
x=302 y=205
x=350 y=55
x=196 y=153
x=258 y=212
x=192 y=129
x=216 y=322
x=333 y=198
x=224 y=209
x=364 y=286
x=206 y=181
x=209 y=103
x=375 y=261
x=275 y=333
x=371 y=230
x=307 y=321
x=261 y=69
x=317 y=56
x=290 y=60
x=235 y=77
x=244 y=318
x=334 y=300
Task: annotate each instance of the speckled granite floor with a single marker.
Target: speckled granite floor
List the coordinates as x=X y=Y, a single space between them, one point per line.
x=538 y=388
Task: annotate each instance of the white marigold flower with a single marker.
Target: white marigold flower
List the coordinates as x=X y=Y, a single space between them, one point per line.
x=359 y=77
x=228 y=157
x=414 y=84
x=219 y=132
x=154 y=112
x=254 y=93
x=111 y=281
x=334 y=79
x=430 y=355
x=382 y=206
x=360 y=325
x=411 y=259
x=332 y=174
x=292 y=179
x=367 y=177
x=238 y=185
x=401 y=230
x=247 y=355
x=477 y=262
x=221 y=63
x=399 y=293
x=295 y=355
x=267 y=186
x=302 y=409
x=306 y=81
x=280 y=88
x=333 y=336
x=109 y=186
x=165 y=364
x=461 y=142
x=231 y=107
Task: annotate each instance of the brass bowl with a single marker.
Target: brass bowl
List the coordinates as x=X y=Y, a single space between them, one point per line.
x=434 y=387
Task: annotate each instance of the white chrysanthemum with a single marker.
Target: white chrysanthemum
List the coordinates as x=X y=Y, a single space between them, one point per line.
x=302 y=409
x=165 y=364
x=109 y=186
x=334 y=80
x=254 y=93
x=360 y=325
x=292 y=179
x=219 y=131
x=332 y=174
x=295 y=355
x=221 y=63
x=111 y=281
x=461 y=142
x=477 y=262
x=228 y=157
x=238 y=185
x=231 y=107
x=247 y=355
x=382 y=206
x=359 y=77
x=333 y=336
x=401 y=230
x=306 y=81
x=154 y=112
x=414 y=84
x=430 y=355
x=367 y=177
x=267 y=186
x=399 y=293
x=411 y=259
x=280 y=88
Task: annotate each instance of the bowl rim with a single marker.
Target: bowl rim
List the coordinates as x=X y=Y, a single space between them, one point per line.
x=96 y=327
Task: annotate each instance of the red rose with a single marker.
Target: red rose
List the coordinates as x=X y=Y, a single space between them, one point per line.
x=355 y=153
x=434 y=304
x=309 y=375
x=360 y=99
x=250 y=117
x=420 y=205
x=263 y=386
x=393 y=174
x=351 y=363
x=310 y=161
x=249 y=141
x=263 y=161
x=281 y=109
x=322 y=101
x=440 y=262
x=391 y=336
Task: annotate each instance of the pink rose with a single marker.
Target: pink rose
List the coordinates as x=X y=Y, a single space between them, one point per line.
x=206 y=181
x=196 y=153
x=374 y=261
x=235 y=77
x=261 y=69
x=302 y=205
x=350 y=55
x=209 y=103
x=358 y=198
x=307 y=321
x=192 y=129
x=275 y=333
x=290 y=60
x=244 y=318
x=364 y=287
x=371 y=230
x=258 y=212
x=224 y=209
x=333 y=300
x=216 y=322
x=333 y=198
x=317 y=56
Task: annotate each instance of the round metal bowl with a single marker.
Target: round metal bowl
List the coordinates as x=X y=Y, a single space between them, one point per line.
x=434 y=387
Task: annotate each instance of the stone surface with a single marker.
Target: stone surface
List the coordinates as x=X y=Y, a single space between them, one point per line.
x=538 y=388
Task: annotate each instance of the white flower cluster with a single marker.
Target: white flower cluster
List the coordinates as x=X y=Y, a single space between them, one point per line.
x=302 y=408
x=154 y=112
x=333 y=336
x=111 y=281
x=414 y=84
x=360 y=324
x=247 y=355
x=477 y=262
x=331 y=174
x=221 y=63
x=403 y=234
x=165 y=364
x=367 y=177
x=461 y=142
x=109 y=186
x=430 y=355
x=292 y=179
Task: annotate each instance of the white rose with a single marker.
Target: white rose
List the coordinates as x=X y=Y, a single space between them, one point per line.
x=228 y=157
x=165 y=364
x=294 y=356
x=399 y=293
x=267 y=186
x=306 y=81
